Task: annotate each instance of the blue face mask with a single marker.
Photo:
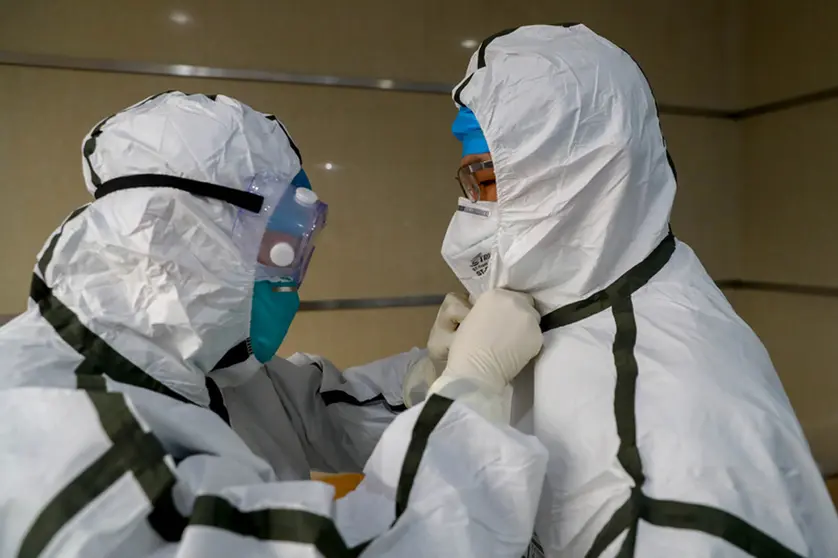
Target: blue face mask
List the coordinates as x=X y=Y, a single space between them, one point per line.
x=271 y=313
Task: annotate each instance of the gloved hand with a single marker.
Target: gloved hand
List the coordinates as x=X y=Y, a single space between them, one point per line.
x=452 y=312
x=421 y=375
x=497 y=339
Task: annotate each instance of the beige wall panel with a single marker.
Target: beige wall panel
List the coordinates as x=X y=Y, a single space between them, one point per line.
x=685 y=47
x=391 y=193
x=706 y=213
x=789 y=49
x=732 y=296
x=789 y=196
x=351 y=337
x=832 y=485
x=800 y=333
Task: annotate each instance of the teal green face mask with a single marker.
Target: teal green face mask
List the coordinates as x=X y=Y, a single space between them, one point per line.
x=271 y=315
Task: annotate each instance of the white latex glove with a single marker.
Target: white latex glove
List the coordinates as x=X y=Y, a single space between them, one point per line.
x=452 y=312
x=497 y=339
x=421 y=375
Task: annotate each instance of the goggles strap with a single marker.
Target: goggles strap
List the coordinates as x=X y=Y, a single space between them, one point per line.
x=245 y=200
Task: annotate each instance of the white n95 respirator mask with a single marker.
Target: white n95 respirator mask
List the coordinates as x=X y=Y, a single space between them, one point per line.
x=470 y=242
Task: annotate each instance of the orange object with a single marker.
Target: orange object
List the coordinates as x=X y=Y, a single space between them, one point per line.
x=344 y=483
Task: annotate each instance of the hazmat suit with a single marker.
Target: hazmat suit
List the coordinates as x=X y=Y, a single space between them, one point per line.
x=668 y=430
x=120 y=381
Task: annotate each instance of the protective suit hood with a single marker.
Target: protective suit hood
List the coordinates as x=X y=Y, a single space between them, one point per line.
x=584 y=183
x=157 y=273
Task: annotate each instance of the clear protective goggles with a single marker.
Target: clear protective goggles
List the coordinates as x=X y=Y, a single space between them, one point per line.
x=295 y=216
x=469 y=177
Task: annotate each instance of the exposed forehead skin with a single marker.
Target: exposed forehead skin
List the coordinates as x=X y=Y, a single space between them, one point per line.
x=475 y=158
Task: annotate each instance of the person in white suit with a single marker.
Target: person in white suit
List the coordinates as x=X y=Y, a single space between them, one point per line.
x=139 y=419
x=668 y=430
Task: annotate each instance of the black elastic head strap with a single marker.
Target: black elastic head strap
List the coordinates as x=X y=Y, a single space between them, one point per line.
x=245 y=200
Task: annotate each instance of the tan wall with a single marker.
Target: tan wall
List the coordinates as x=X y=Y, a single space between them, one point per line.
x=788 y=49
x=789 y=198
x=392 y=192
x=832 y=485
x=683 y=46
x=707 y=155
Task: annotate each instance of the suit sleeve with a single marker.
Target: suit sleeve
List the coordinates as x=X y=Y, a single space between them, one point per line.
x=341 y=415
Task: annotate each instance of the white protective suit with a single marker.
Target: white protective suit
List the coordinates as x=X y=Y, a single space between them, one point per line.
x=668 y=430
x=115 y=443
